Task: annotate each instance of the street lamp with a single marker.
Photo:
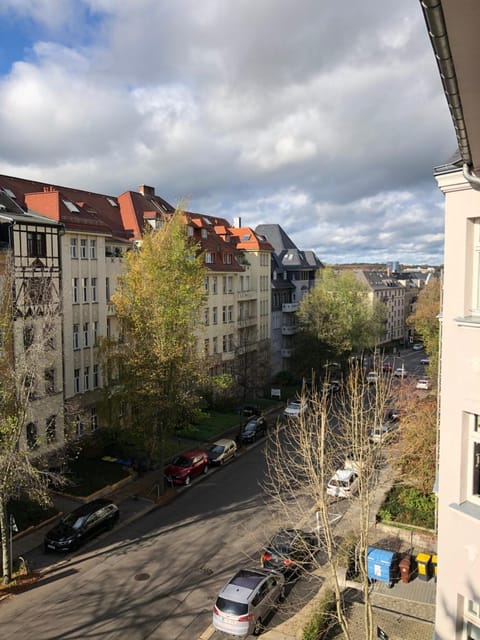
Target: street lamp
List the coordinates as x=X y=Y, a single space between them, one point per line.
x=13 y=529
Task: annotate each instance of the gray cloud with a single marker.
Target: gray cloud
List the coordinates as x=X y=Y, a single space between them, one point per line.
x=325 y=118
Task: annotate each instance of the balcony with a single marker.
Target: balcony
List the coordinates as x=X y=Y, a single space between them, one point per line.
x=290 y=307
x=289 y=330
x=250 y=321
x=247 y=295
x=286 y=353
x=110 y=309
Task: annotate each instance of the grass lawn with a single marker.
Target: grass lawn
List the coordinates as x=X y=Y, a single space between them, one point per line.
x=211 y=425
x=405 y=505
x=91 y=474
x=28 y=514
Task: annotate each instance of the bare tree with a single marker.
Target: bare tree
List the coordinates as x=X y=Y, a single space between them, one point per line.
x=305 y=455
x=29 y=329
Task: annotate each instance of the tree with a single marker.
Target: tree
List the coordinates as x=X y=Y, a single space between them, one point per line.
x=154 y=369
x=425 y=321
x=337 y=319
x=304 y=456
x=23 y=468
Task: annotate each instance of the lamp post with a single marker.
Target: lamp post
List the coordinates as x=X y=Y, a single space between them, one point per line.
x=13 y=529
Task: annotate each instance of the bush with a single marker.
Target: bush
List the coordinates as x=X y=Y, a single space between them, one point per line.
x=407 y=505
x=322 y=619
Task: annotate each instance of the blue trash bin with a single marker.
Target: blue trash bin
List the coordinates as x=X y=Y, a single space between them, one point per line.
x=382 y=565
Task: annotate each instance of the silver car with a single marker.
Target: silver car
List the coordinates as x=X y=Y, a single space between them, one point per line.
x=246 y=601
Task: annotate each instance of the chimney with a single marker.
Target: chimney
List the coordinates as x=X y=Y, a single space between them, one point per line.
x=146 y=191
x=237 y=222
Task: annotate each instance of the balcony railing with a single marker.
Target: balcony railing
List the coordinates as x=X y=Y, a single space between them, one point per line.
x=247 y=322
x=245 y=295
x=289 y=307
x=289 y=330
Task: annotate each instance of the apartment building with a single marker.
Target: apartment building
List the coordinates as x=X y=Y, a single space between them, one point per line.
x=30 y=266
x=94 y=231
x=293 y=274
x=384 y=288
x=453 y=28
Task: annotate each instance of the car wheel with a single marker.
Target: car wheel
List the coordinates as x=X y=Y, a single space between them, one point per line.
x=205 y=469
x=259 y=628
x=186 y=482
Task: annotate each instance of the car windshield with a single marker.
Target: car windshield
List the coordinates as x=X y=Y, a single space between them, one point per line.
x=182 y=461
x=216 y=449
x=250 y=426
x=74 y=521
x=230 y=606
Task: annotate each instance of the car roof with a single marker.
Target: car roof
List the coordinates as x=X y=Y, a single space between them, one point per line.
x=192 y=452
x=243 y=584
x=90 y=507
x=223 y=442
x=343 y=474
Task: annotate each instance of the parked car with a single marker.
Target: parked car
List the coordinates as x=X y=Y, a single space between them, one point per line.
x=255 y=428
x=401 y=372
x=331 y=387
x=294 y=409
x=249 y=410
x=80 y=525
x=425 y=361
x=423 y=383
x=372 y=377
x=387 y=367
x=343 y=484
x=382 y=432
x=186 y=466
x=418 y=346
x=393 y=414
x=289 y=550
x=246 y=601
x=222 y=451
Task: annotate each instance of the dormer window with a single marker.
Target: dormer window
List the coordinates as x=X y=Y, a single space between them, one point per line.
x=71 y=207
x=209 y=257
x=227 y=258
x=190 y=231
x=204 y=233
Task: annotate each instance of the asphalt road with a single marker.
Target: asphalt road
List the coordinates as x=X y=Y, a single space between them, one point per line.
x=158 y=577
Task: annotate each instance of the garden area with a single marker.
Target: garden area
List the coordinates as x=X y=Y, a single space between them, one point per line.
x=408 y=506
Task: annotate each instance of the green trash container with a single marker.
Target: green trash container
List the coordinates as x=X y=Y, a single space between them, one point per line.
x=424 y=566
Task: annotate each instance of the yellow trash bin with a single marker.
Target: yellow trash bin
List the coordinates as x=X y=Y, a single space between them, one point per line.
x=424 y=566
x=434 y=566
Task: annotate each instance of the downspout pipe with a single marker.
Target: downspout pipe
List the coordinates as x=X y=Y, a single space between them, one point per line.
x=470 y=176
x=437 y=30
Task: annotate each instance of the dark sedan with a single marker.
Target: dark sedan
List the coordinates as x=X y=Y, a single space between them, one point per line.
x=289 y=551
x=255 y=428
x=82 y=524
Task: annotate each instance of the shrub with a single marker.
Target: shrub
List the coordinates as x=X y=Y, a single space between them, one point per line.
x=322 y=619
x=407 y=505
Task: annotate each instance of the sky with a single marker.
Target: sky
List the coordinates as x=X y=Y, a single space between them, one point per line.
x=327 y=118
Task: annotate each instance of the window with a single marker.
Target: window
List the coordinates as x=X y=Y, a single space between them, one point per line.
x=230 y=313
x=476 y=268
x=83 y=248
x=93 y=419
x=215 y=344
x=472 y=615
x=32 y=435
x=224 y=314
x=51 y=429
x=230 y=284
x=86 y=336
x=224 y=344
x=109 y=330
x=84 y=289
x=96 y=379
x=86 y=379
x=206 y=316
x=227 y=258
x=79 y=427
x=224 y=284
x=214 y=284
x=93 y=289
x=205 y=284
x=474 y=491
x=107 y=288
x=206 y=346
x=230 y=342
x=215 y=315
x=76 y=380
x=36 y=244
x=75 y=290
x=49 y=381
x=122 y=408
x=76 y=338
x=95 y=331
x=73 y=248
x=93 y=249
x=209 y=257
x=28 y=336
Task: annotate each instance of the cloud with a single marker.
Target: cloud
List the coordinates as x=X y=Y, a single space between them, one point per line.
x=325 y=120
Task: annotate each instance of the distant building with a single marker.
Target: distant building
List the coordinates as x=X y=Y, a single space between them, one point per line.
x=293 y=275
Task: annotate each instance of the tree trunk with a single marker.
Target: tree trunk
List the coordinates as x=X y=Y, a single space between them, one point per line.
x=5 y=536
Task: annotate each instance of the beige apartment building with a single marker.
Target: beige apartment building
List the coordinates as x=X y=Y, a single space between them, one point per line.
x=453 y=28
x=93 y=232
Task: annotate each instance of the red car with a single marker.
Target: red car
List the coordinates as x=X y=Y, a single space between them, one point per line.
x=186 y=466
